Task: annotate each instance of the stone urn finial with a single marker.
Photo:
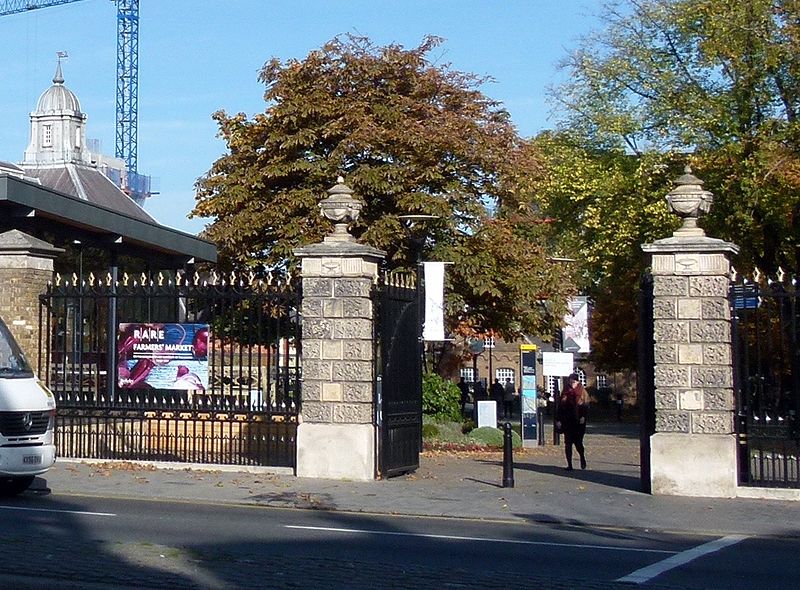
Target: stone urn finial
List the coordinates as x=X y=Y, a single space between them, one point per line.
x=342 y=208
x=688 y=201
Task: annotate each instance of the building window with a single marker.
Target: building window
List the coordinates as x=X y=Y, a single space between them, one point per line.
x=468 y=373
x=602 y=381
x=503 y=374
x=47 y=136
x=77 y=137
x=488 y=342
x=582 y=376
x=552 y=385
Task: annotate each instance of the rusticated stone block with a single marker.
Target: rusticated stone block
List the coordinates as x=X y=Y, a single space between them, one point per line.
x=670 y=286
x=712 y=423
x=709 y=286
x=672 y=421
x=316 y=287
x=711 y=377
x=666 y=399
x=317 y=328
x=347 y=329
x=352 y=413
x=358 y=392
x=716 y=309
x=357 y=308
x=664 y=309
x=718 y=399
x=320 y=370
x=313 y=307
x=665 y=353
x=717 y=354
x=664 y=331
x=312 y=391
x=710 y=331
x=672 y=376
x=358 y=350
x=317 y=412
x=312 y=349
x=352 y=371
x=352 y=288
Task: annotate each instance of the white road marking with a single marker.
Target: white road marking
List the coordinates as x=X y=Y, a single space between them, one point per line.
x=651 y=571
x=60 y=511
x=481 y=539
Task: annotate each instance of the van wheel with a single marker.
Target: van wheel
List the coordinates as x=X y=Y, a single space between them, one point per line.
x=11 y=486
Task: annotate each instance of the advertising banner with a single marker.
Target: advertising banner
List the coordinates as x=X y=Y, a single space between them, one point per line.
x=576 y=326
x=433 y=327
x=162 y=356
x=528 y=401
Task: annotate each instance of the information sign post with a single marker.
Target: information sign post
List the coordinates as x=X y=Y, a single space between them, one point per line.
x=528 y=398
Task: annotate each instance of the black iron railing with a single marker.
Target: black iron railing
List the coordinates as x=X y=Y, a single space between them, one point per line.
x=244 y=412
x=767 y=380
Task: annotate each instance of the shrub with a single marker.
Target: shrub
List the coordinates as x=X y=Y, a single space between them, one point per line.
x=468 y=426
x=430 y=431
x=441 y=399
x=493 y=437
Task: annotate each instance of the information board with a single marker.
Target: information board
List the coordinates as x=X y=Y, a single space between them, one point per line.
x=528 y=399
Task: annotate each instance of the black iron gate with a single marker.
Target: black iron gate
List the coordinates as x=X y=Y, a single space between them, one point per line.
x=645 y=379
x=399 y=386
x=108 y=407
x=766 y=368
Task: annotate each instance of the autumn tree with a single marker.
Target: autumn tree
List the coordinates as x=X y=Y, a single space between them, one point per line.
x=410 y=138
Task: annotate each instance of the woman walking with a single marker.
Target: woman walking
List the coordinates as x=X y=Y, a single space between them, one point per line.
x=573 y=406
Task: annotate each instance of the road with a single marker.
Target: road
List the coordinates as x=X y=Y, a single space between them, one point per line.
x=85 y=542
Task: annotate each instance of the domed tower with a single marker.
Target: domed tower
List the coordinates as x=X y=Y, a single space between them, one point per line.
x=58 y=134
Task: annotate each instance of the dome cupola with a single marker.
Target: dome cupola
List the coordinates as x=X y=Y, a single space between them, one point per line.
x=58 y=98
x=57 y=127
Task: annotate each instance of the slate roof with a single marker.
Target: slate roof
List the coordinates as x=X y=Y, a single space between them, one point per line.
x=89 y=184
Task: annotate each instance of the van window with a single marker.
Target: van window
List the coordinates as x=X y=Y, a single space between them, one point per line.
x=12 y=362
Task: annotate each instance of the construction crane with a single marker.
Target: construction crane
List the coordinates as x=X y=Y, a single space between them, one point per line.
x=127 y=80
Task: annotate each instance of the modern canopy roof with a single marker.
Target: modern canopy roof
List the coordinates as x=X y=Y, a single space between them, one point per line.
x=26 y=205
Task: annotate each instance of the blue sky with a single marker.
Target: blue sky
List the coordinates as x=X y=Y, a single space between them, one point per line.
x=198 y=56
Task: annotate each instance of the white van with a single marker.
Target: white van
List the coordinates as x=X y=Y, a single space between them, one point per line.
x=27 y=418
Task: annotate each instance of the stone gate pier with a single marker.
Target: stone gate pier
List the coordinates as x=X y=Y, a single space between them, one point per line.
x=693 y=451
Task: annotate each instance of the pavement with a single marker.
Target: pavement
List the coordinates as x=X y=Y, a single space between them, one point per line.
x=455 y=485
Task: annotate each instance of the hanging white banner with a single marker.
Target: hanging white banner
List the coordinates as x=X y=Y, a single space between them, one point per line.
x=433 y=328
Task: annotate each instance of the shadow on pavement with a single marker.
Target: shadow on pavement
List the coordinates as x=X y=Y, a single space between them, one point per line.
x=606 y=478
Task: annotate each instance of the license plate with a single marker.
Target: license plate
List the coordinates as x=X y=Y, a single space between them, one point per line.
x=32 y=459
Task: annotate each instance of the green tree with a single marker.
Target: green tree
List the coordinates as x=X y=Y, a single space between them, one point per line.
x=715 y=77
x=410 y=138
x=603 y=204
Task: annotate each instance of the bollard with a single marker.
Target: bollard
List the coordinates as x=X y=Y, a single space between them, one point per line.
x=508 y=457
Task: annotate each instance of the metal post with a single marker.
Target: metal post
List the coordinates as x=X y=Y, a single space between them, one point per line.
x=111 y=346
x=508 y=457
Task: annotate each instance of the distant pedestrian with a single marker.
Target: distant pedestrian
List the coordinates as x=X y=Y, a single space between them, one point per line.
x=573 y=406
x=463 y=387
x=479 y=392
x=508 y=399
x=497 y=392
